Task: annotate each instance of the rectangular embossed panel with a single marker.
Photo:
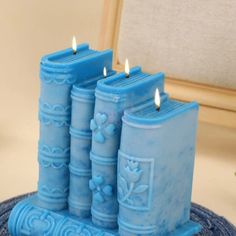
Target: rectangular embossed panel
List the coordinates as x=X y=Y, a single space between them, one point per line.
x=190 y=40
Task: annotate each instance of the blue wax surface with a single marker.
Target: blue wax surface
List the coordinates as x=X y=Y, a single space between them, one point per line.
x=67 y=56
x=136 y=81
x=155 y=167
x=147 y=113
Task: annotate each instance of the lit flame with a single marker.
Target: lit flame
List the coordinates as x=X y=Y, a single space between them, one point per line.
x=157 y=99
x=127 y=67
x=74 y=45
x=105 y=72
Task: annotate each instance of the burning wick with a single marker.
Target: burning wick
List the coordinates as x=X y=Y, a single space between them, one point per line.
x=157 y=100
x=74 y=46
x=127 y=68
x=104 y=72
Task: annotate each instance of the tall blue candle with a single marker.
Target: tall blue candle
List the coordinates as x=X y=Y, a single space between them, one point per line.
x=155 y=169
x=113 y=95
x=59 y=71
x=83 y=99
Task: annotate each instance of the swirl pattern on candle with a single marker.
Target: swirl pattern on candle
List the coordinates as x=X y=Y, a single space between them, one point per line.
x=50 y=190
x=53 y=151
x=101 y=129
x=51 y=120
x=100 y=189
x=53 y=164
x=54 y=108
x=58 y=76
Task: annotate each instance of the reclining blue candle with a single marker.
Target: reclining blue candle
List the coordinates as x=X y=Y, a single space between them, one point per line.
x=155 y=169
x=113 y=96
x=83 y=100
x=59 y=71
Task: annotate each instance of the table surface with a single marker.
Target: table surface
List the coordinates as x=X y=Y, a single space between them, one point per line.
x=212 y=224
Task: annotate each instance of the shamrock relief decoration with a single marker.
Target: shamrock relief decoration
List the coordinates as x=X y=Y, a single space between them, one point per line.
x=101 y=190
x=100 y=127
x=128 y=185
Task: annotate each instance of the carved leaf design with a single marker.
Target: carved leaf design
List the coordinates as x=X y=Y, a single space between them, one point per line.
x=98 y=197
x=92 y=185
x=100 y=118
x=107 y=190
x=99 y=137
x=93 y=125
x=110 y=129
x=130 y=201
x=120 y=192
x=140 y=189
x=98 y=179
x=123 y=184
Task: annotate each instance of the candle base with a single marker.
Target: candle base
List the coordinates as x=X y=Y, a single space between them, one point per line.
x=28 y=219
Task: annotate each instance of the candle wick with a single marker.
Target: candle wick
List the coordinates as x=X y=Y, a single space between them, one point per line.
x=158 y=108
x=74 y=52
x=127 y=75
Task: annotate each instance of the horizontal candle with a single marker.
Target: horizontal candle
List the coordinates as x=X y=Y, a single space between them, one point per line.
x=156 y=160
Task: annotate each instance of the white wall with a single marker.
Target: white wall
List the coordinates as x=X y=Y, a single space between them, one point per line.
x=28 y=30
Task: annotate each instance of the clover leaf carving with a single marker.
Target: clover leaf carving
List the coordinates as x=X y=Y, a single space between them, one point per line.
x=100 y=189
x=100 y=127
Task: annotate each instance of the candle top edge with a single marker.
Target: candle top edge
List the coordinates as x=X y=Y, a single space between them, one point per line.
x=66 y=57
x=147 y=113
x=119 y=83
x=90 y=83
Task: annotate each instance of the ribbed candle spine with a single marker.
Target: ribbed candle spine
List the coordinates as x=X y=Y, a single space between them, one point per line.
x=54 y=142
x=80 y=167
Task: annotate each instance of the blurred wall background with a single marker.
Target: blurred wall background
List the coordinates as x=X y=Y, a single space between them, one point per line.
x=28 y=30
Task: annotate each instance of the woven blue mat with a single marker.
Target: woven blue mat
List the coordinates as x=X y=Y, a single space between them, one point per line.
x=213 y=225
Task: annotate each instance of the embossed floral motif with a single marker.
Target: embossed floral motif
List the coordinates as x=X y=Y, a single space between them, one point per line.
x=100 y=127
x=100 y=189
x=128 y=184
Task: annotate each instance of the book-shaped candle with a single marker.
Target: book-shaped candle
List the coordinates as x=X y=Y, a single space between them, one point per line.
x=155 y=169
x=83 y=99
x=58 y=72
x=113 y=96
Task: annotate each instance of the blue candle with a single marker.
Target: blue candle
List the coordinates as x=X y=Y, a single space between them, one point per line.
x=113 y=96
x=155 y=169
x=83 y=100
x=59 y=71
x=28 y=219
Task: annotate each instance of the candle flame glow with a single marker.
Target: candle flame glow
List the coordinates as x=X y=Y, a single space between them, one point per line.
x=74 y=46
x=127 y=67
x=157 y=99
x=105 y=72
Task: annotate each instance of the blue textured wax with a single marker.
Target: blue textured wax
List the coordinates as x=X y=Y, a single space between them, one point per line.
x=113 y=95
x=83 y=100
x=59 y=71
x=155 y=168
x=27 y=218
